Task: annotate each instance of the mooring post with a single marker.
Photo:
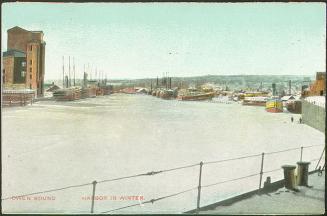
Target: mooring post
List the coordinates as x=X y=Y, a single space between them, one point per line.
x=199 y=189
x=261 y=169
x=301 y=153
x=93 y=196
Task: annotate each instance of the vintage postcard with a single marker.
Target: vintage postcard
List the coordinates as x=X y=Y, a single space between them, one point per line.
x=163 y=108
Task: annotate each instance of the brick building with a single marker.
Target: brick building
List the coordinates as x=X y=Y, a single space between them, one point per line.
x=318 y=88
x=23 y=63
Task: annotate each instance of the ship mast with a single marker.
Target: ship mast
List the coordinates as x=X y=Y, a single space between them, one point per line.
x=63 y=72
x=69 y=80
x=74 y=69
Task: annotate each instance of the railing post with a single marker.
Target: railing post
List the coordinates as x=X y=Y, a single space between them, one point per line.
x=93 y=196
x=261 y=169
x=301 y=153
x=320 y=158
x=199 y=189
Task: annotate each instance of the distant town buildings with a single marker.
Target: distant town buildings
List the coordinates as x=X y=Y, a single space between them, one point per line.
x=24 y=60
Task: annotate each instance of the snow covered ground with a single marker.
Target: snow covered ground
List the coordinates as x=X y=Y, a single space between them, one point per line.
x=56 y=144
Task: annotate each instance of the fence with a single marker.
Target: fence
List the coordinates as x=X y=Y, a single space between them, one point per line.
x=17 y=97
x=197 y=188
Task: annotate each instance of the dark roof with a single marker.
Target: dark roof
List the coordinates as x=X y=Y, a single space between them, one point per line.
x=21 y=29
x=15 y=53
x=16 y=28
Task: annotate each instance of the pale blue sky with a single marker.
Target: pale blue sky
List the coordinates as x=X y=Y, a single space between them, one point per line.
x=134 y=40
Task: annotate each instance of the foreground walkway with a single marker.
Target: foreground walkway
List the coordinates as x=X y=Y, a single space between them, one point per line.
x=306 y=201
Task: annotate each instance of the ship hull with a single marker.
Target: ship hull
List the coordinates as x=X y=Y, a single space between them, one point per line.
x=207 y=96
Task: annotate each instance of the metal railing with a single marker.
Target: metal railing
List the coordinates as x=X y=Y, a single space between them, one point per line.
x=198 y=188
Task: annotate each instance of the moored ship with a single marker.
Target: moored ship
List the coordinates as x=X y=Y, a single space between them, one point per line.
x=197 y=96
x=64 y=95
x=255 y=101
x=274 y=105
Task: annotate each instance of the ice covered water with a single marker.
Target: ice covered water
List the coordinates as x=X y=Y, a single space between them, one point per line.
x=57 y=144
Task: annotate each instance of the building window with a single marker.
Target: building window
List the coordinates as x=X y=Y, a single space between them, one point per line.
x=30 y=76
x=30 y=69
x=23 y=64
x=31 y=48
x=31 y=62
x=23 y=73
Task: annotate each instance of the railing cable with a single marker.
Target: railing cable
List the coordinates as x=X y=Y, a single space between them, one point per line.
x=231 y=159
x=275 y=152
x=152 y=200
x=230 y=180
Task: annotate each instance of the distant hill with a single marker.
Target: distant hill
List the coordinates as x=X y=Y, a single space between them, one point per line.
x=231 y=81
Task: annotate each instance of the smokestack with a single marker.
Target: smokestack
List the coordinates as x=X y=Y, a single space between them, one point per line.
x=170 y=82
x=289 y=87
x=66 y=79
x=274 y=89
x=84 y=78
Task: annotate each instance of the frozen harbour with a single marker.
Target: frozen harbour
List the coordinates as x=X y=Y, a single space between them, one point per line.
x=57 y=144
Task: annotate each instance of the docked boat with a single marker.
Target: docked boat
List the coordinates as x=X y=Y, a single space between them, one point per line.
x=68 y=94
x=168 y=93
x=255 y=101
x=88 y=92
x=274 y=105
x=128 y=91
x=64 y=95
x=196 y=96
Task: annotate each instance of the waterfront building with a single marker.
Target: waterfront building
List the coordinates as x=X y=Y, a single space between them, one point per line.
x=318 y=88
x=24 y=60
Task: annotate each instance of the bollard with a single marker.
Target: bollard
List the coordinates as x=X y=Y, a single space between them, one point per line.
x=267 y=183
x=301 y=153
x=289 y=176
x=302 y=173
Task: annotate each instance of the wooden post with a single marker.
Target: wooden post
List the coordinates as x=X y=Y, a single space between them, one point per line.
x=93 y=196
x=261 y=169
x=199 y=189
